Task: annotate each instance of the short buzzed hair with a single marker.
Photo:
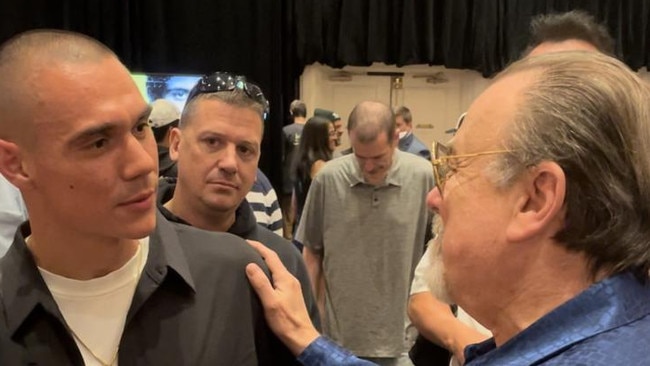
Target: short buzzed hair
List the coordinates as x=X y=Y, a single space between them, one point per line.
x=298 y=108
x=20 y=53
x=57 y=45
x=575 y=24
x=237 y=98
x=368 y=119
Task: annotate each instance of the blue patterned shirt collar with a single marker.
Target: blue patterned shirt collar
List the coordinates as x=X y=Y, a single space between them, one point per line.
x=609 y=304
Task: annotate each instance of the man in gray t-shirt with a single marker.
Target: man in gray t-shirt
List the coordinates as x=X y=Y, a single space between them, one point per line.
x=363 y=228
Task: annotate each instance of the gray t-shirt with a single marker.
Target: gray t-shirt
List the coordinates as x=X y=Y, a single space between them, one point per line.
x=371 y=238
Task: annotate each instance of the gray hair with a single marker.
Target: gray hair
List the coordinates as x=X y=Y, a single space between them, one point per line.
x=405 y=113
x=298 y=108
x=368 y=119
x=590 y=114
x=237 y=98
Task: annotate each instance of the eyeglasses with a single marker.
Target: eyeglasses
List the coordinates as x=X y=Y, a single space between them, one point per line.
x=223 y=81
x=441 y=157
x=459 y=123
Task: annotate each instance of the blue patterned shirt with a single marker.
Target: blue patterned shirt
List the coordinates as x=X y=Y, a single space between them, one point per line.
x=607 y=324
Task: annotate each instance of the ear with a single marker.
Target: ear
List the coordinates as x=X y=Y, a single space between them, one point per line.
x=541 y=204
x=11 y=163
x=395 y=141
x=175 y=135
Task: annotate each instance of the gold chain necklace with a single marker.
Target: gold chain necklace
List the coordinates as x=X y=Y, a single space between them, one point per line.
x=117 y=349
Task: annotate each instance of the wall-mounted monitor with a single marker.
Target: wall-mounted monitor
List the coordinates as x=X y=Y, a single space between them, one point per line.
x=173 y=87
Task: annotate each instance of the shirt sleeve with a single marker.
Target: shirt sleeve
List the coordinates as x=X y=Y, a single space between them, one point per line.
x=419 y=283
x=274 y=212
x=324 y=352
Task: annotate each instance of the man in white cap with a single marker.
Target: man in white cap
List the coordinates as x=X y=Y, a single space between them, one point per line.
x=164 y=116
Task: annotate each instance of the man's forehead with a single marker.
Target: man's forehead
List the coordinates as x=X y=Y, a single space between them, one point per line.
x=93 y=89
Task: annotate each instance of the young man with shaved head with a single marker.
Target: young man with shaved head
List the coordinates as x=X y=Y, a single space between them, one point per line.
x=97 y=276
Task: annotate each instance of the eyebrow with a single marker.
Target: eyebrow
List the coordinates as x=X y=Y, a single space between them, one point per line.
x=211 y=132
x=103 y=129
x=100 y=130
x=146 y=112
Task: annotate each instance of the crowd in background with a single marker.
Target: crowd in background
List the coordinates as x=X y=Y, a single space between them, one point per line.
x=522 y=240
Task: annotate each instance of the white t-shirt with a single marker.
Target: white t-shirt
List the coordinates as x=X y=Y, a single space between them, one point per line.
x=95 y=310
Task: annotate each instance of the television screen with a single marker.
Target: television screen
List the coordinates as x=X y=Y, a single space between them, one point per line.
x=173 y=87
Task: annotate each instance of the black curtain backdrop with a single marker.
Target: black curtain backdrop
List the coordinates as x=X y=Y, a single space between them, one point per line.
x=466 y=34
x=271 y=41
x=249 y=37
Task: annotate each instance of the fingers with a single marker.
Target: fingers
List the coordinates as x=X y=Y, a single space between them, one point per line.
x=270 y=257
x=260 y=282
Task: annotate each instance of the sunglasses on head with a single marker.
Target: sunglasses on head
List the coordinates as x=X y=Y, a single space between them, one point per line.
x=223 y=81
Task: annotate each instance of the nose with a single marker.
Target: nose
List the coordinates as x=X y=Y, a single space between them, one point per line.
x=434 y=199
x=228 y=160
x=368 y=166
x=141 y=157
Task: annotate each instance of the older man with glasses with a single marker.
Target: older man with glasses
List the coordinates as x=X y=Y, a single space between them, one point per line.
x=556 y=262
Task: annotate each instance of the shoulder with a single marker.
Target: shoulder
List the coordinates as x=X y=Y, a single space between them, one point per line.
x=417 y=142
x=317 y=166
x=262 y=183
x=288 y=253
x=263 y=179
x=337 y=166
x=337 y=173
x=414 y=163
x=624 y=345
x=207 y=247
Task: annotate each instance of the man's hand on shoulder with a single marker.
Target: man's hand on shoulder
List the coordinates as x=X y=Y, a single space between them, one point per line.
x=284 y=306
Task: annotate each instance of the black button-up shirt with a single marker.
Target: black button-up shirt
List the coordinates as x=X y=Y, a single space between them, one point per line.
x=193 y=305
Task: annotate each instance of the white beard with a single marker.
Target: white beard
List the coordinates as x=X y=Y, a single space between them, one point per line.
x=436 y=275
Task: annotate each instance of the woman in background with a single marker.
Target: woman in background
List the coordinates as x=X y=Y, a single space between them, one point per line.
x=317 y=144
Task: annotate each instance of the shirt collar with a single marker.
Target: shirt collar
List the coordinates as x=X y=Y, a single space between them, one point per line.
x=168 y=252
x=23 y=288
x=245 y=222
x=605 y=305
